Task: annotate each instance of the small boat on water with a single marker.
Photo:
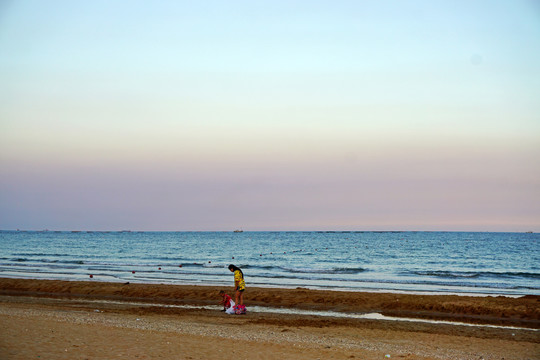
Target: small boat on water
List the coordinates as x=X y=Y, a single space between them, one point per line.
x=238 y=231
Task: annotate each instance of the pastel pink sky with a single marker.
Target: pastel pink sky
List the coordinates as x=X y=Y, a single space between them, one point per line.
x=277 y=116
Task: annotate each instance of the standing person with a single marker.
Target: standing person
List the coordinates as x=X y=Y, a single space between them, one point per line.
x=239 y=287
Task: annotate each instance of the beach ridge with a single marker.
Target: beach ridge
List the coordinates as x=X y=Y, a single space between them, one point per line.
x=523 y=311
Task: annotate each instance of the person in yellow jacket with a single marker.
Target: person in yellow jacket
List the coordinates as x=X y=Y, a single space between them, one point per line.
x=239 y=285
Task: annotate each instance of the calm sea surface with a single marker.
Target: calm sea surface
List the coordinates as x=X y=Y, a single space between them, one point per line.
x=455 y=262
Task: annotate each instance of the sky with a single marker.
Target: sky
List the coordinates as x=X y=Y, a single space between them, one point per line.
x=270 y=115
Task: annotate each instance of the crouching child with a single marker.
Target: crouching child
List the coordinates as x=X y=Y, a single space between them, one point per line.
x=227 y=302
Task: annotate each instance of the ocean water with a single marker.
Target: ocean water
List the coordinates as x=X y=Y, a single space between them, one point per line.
x=432 y=262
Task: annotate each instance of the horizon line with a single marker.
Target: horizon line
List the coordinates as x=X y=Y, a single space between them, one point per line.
x=254 y=231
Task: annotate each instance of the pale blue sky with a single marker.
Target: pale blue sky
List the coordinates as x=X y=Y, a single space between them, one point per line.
x=270 y=115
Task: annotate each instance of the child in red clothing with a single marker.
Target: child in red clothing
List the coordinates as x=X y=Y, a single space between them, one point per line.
x=226 y=301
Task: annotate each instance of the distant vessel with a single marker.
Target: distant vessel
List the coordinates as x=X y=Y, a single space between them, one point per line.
x=238 y=231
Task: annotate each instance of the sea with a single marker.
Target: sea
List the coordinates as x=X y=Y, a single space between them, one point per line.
x=469 y=263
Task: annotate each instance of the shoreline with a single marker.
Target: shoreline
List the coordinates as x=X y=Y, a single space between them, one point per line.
x=285 y=287
x=489 y=310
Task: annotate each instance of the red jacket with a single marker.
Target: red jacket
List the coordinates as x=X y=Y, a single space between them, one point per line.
x=226 y=301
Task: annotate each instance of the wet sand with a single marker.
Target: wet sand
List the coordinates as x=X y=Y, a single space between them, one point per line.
x=92 y=320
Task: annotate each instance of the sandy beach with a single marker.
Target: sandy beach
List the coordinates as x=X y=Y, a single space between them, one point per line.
x=92 y=320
